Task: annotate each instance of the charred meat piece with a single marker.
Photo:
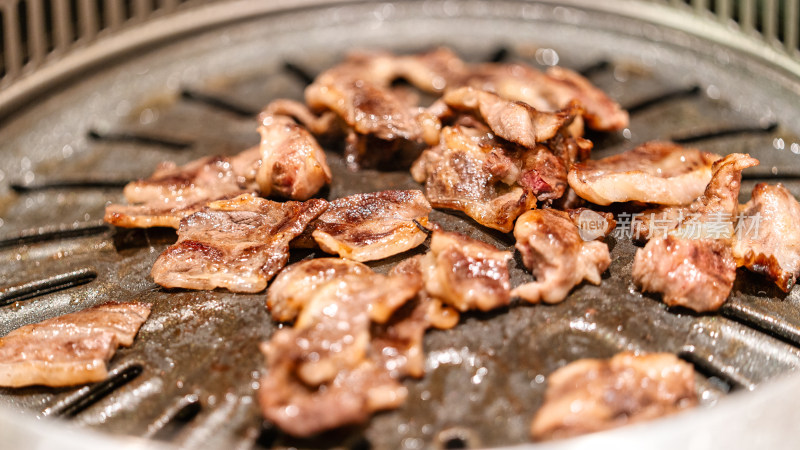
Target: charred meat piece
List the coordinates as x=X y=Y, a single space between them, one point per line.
x=491 y=180
x=694 y=273
x=173 y=192
x=366 y=227
x=550 y=91
x=293 y=164
x=768 y=235
x=71 y=349
x=513 y=121
x=323 y=125
x=465 y=273
x=591 y=395
x=655 y=172
x=236 y=244
x=559 y=258
x=327 y=371
x=709 y=216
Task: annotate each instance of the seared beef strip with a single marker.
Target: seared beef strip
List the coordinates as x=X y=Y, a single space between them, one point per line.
x=491 y=180
x=655 y=172
x=173 y=192
x=552 y=248
x=293 y=164
x=768 y=235
x=465 y=273
x=236 y=244
x=591 y=395
x=366 y=227
x=70 y=349
x=335 y=367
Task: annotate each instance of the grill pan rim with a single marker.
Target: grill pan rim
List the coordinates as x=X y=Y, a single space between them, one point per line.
x=776 y=389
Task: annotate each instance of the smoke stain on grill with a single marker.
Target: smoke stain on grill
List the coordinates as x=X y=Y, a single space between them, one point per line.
x=298 y=72
x=135 y=138
x=218 y=102
x=663 y=98
x=722 y=133
x=49 y=285
x=97 y=392
x=63 y=232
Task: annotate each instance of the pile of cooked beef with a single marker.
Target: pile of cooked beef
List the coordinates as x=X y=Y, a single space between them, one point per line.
x=503 y=144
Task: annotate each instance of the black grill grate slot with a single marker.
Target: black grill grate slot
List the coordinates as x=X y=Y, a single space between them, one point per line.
x=63 y=232
x=37 y=288
x=723 y=133
x=68 y=184
x=663 y=98
x=709 y=368
x=764 y=322
x=136 y=138
x=97 y=392
x=218 y=102
x=302 y=75
x=178 y=419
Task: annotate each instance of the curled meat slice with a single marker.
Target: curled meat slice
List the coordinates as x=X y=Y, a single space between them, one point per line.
x=237 y=244
x=492 y=181
x=709 y=216
x=364 y=101
x=173 y=192
x=550 y=91
x=655 y=172
x=293 y=164
x=366 y=227
x=335 y=366
x=694 y=273
x=465 y=273
x=590 y=395
x=511 y=120
x=295 y=285
x=768 y=235
x=559 y=258
x=70 y=349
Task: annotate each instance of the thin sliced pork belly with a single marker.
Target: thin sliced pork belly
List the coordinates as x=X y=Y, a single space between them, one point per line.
x=465 y=273
x=591 y=395
x=513 y=121
x=490 y=180
x=552 y=248
x=688 y=257
x=662 y=173
x=173 y=192
x=294 y=286
x=768 y=235
x=710 y=215
x=293 y=164
x=70 y=349
x=336 y=367
x=694 y=273
x=550 y=91
x=236 y=244
x=367 y=227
